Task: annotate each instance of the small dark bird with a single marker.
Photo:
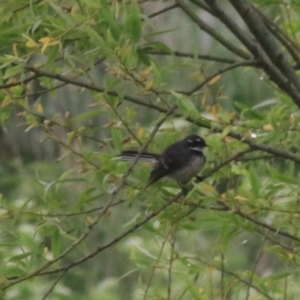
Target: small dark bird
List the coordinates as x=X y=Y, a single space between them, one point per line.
x=181 y=161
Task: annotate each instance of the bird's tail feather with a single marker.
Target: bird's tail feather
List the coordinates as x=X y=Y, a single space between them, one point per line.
x=130 y=155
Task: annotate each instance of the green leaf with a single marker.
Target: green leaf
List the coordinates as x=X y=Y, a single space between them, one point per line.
x=265 y=103
x=157 y=76
x=52 y=53
x=281 y=177
x=225 y=131
x=158 y=46
x=246 y=111
x=65 y=16
x=19 y=257
x=55 y=242
x=141 y=258
x=87 y=115
x=134 y=23
x=94 y=36
x=255 y=182
x=14 y=271
x=186 y=106
x=134 y=27
x=143 y=57
x=117 y=139
x=12 y=71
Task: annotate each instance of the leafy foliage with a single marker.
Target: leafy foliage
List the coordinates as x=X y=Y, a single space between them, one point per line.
x=82 y=80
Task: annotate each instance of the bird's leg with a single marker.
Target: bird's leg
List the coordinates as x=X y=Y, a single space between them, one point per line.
x=199 y=178
x=184 y=188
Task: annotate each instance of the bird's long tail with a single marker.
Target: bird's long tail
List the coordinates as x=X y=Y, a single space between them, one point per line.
x=130 y=155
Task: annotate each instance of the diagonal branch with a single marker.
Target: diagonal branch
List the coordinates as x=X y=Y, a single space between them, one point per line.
x=54 y=284
x=238 y=277
x=212 y=32
x=16 y=83
x=266 y=40
x=225 y=207
x=284 y=39
x=219 y=72
x=255 y=48
x=199 y=56
x=157 y=13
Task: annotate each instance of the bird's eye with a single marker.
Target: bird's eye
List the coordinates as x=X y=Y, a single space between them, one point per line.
x=190 y=141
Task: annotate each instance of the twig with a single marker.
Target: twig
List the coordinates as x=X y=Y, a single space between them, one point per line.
x=256 y=49
x=219 y=72
x=199 y=56
x=173 y=239
x=222 y=278
x=54 y=284
x=162 y=11
x=72 y=150
x=255 y=158
x=60 y=214
x=284 y=39
x=267 y=237
x=227 y=161
x=212 y=32
x=12 y=84
x=155 y=264
x=254 y=268
x=203 y=6
x=266 y=40
x=233 y=274
x=126 y=125
x=267 y=226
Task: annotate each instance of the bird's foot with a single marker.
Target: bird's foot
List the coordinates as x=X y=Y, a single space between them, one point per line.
x=199 y=179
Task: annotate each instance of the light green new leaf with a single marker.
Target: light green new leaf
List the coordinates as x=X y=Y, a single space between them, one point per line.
x=186 y=106
x=255 y=182
x=134 y=23
x=16 y=70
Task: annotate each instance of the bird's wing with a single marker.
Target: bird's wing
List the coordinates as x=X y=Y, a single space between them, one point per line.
x=169 y=162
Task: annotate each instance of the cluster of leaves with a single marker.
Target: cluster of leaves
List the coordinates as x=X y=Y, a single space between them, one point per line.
x=81 y=80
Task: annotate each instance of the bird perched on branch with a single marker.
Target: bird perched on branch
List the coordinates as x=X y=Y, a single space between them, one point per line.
x=181 y=161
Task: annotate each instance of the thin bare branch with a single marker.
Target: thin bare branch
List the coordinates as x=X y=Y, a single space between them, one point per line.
x=54 y=284
x=258 y=257
x=212 y=32
x=17 y=83
x=266 y=40
x=199 y=56
x=257 y=51
x=235 y=275
x=157 y=13
x=156 y=263
x=219 y=72
x=283 y=38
